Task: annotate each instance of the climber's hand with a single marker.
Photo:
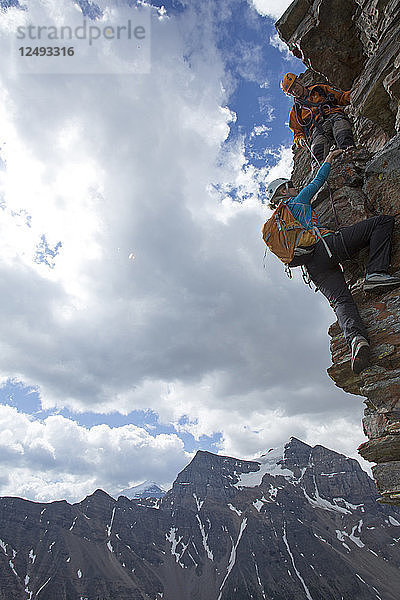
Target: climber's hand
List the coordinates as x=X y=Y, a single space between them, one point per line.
x=332 y=155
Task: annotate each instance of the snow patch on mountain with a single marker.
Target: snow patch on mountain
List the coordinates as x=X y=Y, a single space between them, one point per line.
x=269 y=464
x=147 y=489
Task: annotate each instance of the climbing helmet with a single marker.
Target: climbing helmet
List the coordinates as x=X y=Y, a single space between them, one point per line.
x=288 y=81
x=274 y=186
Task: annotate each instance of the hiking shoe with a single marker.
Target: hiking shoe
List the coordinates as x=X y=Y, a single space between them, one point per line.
x=376 y=281
x=359 y=354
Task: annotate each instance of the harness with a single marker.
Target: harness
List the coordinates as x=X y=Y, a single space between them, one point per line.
x=323 y=109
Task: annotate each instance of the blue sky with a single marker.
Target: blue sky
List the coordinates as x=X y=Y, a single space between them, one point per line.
x=114 y=370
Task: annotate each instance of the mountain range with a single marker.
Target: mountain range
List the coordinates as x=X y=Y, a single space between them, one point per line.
x=301 y=522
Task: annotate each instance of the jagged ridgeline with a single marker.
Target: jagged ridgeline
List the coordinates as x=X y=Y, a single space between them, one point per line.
x=300 y=522
x=356 y=44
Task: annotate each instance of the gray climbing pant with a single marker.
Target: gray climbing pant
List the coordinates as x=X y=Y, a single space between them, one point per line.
x=335 y=128
x=327 y=275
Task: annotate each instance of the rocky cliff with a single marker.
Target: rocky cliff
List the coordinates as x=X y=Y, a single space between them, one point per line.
x=300 y=522
x=356 y=44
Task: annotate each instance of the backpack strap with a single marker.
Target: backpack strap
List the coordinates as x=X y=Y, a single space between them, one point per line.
x=318 y=234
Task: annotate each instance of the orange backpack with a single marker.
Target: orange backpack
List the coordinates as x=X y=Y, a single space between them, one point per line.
x=286 y=237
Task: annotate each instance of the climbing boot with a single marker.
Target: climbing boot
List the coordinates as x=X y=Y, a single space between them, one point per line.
x=360 y=353
x=377 y=281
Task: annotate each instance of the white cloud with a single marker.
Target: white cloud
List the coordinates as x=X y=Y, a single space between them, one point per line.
x=260 y=130
x=58 y=459
x=283 y=166
x=108 y=185
x=267 y=429
x=277 y=43
x=271 y=8
x=259 y=421
x=250 y=61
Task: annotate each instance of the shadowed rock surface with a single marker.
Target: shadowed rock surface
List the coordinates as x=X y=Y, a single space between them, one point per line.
x=300 y=522
x=357 y=43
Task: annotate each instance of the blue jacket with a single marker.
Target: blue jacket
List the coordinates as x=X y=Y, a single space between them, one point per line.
x=300 y=205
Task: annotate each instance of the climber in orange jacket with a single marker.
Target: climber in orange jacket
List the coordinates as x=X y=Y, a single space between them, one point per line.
x=317 y=116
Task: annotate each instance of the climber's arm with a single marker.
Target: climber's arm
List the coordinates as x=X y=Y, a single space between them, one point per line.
x=304 y=197
x=297 y=129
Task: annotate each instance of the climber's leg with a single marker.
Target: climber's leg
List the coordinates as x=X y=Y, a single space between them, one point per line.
x=342 y=131
x=322 y=139
x=375 y=232
x=328 y=277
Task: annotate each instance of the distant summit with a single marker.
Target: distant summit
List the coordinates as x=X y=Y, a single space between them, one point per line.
x=147 y=489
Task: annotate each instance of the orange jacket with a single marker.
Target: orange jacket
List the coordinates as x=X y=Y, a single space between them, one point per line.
x=311 y=114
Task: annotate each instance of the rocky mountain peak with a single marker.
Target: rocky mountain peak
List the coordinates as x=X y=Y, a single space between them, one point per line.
x=297 y=451
x=210 y=474
x=147 y=489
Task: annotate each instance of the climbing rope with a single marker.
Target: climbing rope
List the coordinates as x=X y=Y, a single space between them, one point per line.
x=333 y=207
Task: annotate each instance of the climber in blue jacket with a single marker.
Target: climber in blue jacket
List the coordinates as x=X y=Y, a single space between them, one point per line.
x=323 y=263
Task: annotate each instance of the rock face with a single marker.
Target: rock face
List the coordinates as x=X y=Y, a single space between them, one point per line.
x=357 y=43
x=300 y=522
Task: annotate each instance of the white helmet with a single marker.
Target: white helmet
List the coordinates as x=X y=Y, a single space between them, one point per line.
x=273 y=186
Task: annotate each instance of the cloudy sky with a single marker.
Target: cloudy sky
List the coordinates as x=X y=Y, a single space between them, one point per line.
x=139 y=321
